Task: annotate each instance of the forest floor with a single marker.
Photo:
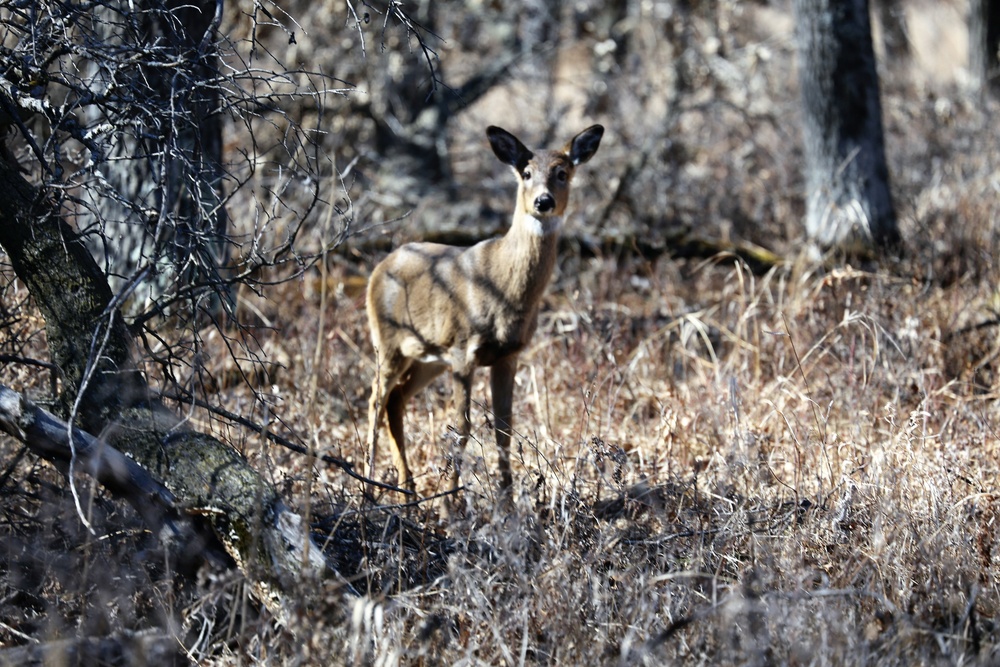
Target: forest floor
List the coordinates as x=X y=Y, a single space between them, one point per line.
x=714 y=462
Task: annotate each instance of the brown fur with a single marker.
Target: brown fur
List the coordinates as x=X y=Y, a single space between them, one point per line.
x=432 y=307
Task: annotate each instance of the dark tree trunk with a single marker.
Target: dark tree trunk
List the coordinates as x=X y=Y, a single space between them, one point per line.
x=87 y=337
x=984 y=45
x=849 y=203
x=164 y=211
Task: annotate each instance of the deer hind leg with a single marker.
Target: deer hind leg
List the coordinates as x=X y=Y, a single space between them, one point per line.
x=418 y=376
x=502 y=388
x=387 y=376
x=395 y=408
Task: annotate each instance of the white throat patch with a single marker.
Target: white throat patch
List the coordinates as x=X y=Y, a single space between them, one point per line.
x=542 y=226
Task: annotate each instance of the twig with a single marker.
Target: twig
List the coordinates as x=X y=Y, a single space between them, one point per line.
x=346 y=466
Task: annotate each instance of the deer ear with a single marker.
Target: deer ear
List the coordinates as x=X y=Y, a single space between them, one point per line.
x=585 y=144
x=508 y=148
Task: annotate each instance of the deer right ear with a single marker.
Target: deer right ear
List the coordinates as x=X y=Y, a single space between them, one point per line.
x=508 y=148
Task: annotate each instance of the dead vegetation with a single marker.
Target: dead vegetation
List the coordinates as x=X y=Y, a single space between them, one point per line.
x=715 y=465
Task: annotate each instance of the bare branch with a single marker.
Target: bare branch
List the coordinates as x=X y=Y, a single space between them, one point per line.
x=346 y=466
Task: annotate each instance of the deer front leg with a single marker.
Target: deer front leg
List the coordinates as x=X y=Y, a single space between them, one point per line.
x=463 y=403
x=502 y=386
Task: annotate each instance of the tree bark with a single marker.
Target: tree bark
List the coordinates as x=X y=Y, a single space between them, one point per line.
x=165 y=207
x=895 y=41
x=984 y=45
x=55 y=441
x=87 y=339
x=849 y=203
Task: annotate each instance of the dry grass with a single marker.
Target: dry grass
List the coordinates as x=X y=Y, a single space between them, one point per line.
x=712 y=466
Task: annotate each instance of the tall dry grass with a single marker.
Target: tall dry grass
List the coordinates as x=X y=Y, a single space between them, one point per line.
x=712 y=465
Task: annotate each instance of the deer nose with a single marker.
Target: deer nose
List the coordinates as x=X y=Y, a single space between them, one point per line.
x=545 y=203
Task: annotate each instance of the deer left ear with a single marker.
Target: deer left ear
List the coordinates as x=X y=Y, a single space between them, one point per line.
x=585 y=144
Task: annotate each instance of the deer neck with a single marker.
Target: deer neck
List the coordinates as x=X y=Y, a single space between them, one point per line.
x=528 y=256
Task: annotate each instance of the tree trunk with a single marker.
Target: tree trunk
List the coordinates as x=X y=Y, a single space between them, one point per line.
x=849 y=204
x=984 y=45
x=895 y=41
x=87 y=338
x=162 y=206
x=104 y=394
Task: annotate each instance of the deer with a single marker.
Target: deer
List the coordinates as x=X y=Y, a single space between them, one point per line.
x=434 y=307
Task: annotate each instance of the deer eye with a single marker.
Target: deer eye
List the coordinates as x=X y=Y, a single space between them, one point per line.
x=562 y=176
x=526 y=174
